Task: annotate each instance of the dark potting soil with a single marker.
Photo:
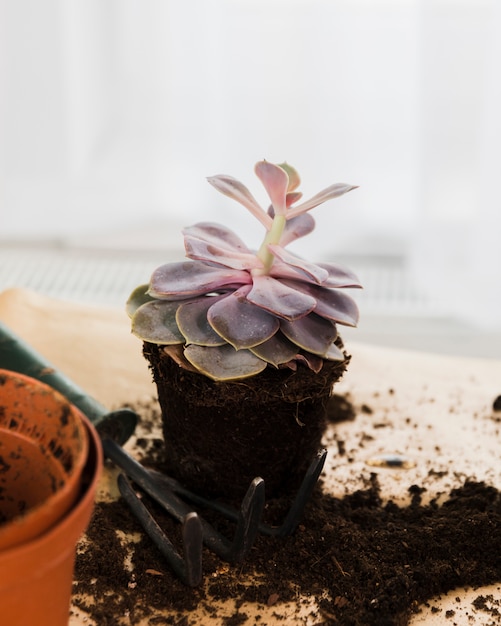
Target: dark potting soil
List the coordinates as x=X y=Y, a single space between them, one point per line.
x=367 y=563
x=281 y=419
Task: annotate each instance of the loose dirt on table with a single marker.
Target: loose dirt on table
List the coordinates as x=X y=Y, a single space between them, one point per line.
x=365 y=561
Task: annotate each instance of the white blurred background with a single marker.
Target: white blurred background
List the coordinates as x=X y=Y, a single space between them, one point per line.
x=113 y=112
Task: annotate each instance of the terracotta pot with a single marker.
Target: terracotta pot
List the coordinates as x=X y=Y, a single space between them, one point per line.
x=220 y=435
x=36 y=577
x=43 y=449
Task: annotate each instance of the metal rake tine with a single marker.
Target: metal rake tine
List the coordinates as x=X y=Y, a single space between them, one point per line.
x=193 y=539
x=187 y=569
x=303 y=495
x=249 y=518
x=156 y=485
x=141 y=477
x=295 y=511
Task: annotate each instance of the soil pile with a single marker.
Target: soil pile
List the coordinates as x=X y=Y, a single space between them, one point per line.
x=364 y=561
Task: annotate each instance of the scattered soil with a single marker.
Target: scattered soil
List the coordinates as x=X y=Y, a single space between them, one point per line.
x=366 y=562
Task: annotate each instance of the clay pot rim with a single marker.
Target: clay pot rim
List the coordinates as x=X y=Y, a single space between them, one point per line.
x=34 y=383
x=69 y=528
x=43 y=516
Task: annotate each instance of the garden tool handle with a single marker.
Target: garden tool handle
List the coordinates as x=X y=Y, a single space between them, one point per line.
x=18 y=356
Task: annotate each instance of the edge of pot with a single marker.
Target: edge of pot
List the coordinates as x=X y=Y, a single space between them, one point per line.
x=60 y=540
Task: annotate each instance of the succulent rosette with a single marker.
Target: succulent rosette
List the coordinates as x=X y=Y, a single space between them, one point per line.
x=228 y=312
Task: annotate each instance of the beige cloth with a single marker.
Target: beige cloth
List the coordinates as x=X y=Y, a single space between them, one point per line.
x=92 y=346
x=436 y=410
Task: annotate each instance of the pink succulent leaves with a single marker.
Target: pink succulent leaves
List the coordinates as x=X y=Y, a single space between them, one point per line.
x=229 y=312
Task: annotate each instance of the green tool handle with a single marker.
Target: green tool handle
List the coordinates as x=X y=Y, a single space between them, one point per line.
x=16 y=355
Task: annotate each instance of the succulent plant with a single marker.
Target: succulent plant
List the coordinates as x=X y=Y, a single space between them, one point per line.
x=229 y=312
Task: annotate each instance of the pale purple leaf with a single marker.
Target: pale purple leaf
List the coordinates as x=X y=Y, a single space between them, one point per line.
x=313 y=361
x=330 y=303
x=282 y=271
x=276 y=350
x=279 y=299
x=191 y=318
x=297 y=227
x=334 y=191
x=312 y=333
x=311 y=270
x=156 y=322
x=176 y=353
x=216 y=234
x=177 y=281
x=234 y=189
x=334 y=353
x=292 y=197
x=201 y=250
x=276 y=181
x=241 y=323
x=224 y=362
x=136 y=299
x=292 y=173
x=340 y=276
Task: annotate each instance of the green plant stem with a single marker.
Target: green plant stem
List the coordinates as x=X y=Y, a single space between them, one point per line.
x=272 y=237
